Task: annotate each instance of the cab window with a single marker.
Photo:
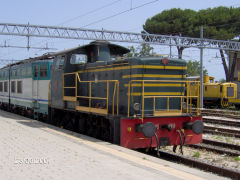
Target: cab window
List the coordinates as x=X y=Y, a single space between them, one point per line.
x=78 y=59
x=60 y=62
x=43 y=71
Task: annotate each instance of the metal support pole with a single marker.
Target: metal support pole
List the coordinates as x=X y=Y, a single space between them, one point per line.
x=170 y=47
x=201 y=67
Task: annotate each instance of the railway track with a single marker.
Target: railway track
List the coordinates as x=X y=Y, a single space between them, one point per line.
x=221 y=131
x=218 y=147
x=221 y=113
x=221 y=144
x=226 y=172
x=235 y=123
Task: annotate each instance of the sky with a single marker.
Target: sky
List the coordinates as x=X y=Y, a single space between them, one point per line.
x=91 y=14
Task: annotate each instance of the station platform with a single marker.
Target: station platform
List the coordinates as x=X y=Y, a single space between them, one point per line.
x=31 y=149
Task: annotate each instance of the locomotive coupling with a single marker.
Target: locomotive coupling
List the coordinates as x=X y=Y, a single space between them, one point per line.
x=148 y=129
x=196 y=126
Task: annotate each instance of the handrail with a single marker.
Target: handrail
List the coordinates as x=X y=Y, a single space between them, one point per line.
x=188 y=97
x=68 y=87
x=90 y=97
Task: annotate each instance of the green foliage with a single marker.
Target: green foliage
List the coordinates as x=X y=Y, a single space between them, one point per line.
x=142 y=50
x=193 y=68
x=171 y=22
x=220 y=22
x=196 y=154
x=222 y=80
x=237 y=158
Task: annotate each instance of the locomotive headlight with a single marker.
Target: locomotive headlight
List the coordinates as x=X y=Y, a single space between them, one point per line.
x=136 y=106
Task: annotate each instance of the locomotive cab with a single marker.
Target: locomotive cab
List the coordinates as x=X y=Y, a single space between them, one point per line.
x=95 y=54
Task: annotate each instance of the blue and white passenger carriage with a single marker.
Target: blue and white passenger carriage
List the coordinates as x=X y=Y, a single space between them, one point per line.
x=24 y=86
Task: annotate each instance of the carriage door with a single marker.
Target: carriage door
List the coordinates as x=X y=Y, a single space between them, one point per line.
x=57 y=82
x=35 y=89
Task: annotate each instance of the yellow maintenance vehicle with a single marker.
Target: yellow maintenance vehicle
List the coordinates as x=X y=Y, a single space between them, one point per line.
x=214 y=93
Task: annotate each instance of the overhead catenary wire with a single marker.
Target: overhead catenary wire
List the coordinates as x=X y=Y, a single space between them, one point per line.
x=131 y=8
x=89 y=12
x=119 y=13
x=85 y=14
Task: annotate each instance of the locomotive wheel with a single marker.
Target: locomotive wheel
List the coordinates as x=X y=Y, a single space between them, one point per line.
x=66 y=122
x=70 y=121
x=89 y=126
x=237 y=106
x=224 y=103
x=81 y=124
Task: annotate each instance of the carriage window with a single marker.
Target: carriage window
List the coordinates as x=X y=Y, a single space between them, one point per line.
x=5 y=86
x=1 y=87
x=28 y=71
x=78 y=59
x=60 y=62
x=20 y=72
x=43 y=71
x=19 y=87
x=13 y=86
x=35 y=71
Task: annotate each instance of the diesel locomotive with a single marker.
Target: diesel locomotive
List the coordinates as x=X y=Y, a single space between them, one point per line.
x=137 y=102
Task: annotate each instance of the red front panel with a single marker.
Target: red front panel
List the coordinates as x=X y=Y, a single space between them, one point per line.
x=134 y=140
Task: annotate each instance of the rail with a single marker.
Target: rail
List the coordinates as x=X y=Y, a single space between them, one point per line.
x=185 y=97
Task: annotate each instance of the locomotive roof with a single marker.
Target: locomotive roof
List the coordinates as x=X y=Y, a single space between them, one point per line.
x=114 y=48
x=43 y=57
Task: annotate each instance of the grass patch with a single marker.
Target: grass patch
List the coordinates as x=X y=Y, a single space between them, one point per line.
x=196 y=154
x=228 y=140
x=237 y=158
x=219 y=138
